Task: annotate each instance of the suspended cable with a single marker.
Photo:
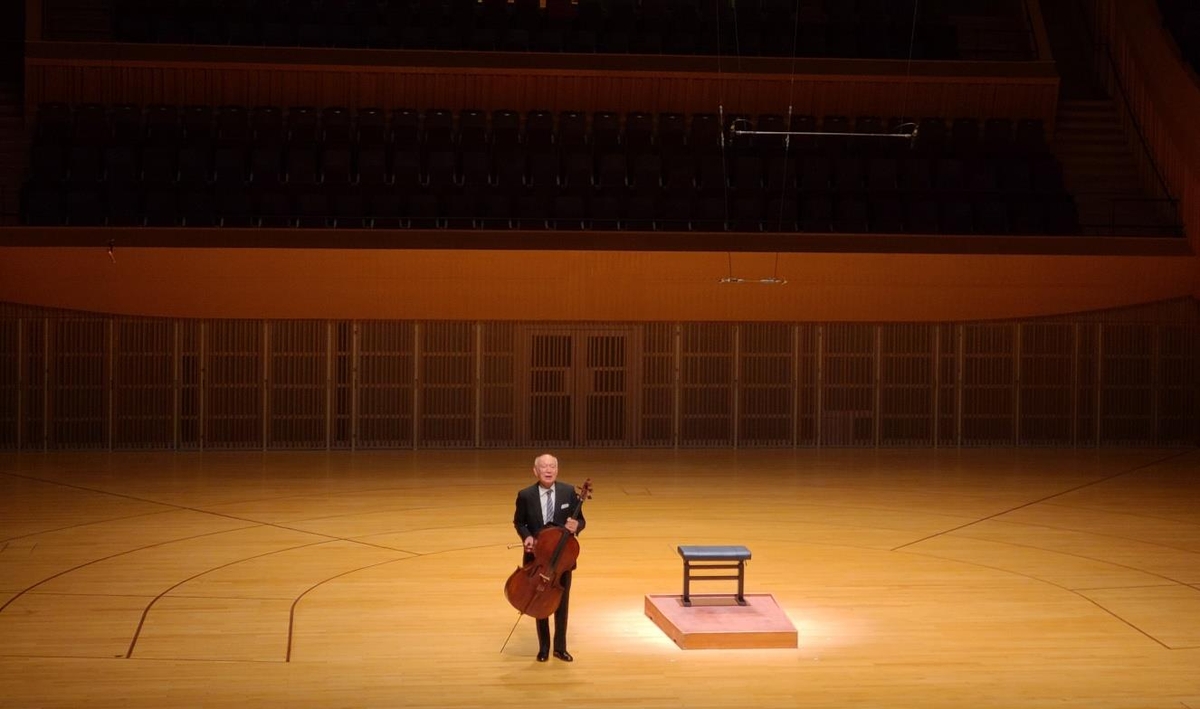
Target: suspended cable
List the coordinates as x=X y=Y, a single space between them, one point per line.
x=912 y=42
x=738 y=127
x=720 y=122
x=774 y=279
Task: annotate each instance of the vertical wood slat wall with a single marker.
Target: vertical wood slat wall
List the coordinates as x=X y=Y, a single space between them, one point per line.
x=71 y=381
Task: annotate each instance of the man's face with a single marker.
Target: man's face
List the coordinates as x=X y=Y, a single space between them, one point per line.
x=546 y=470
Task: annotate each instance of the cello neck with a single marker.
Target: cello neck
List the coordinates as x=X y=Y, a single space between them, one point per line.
x=584 y=492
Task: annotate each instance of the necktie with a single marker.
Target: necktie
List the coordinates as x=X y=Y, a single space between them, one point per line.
x=548 y=512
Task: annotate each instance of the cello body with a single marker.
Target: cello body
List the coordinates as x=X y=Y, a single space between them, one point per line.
x=535 y=588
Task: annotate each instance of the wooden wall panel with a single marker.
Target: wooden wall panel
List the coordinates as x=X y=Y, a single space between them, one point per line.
x=1127 y=390
x=11 y=383
x=343 y=385
x=80 y=72
x=297 y=384
x=79 y=360
x=1177 y=385
x=766 y=384
x=447 y=407
x=948 y=385
x=497 y=385
x=386 y=385
x=849 y=379
x=234 y=384
x=1087 y=354
x=808 y=390
x=907 y=394
x=33 y=420
x=706 y=384
x=144 y=384
x=190 y=353
x=659 y=410
x=1045 y=383
x=581 y=285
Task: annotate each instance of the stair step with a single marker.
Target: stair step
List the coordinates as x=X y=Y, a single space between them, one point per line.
x=1090 y=123
x=1078 y=141
x=1121 y=163
x=1125 y=172
x=1117 y=153
x=1107 y=144
x=1108 y=180
x=1107 y=174
x=1086 y=113
x=1097 y=125
x=1098 y=160
x=1067 y=110
x=1088 y=102
x=1093 y=126
x=1082 y=188
x=1104 y=193
x=1119 y=156
x=1072 y=127
x=1114 y=179
x=1096 y=109
x=1108 y=114
x=1105 y=139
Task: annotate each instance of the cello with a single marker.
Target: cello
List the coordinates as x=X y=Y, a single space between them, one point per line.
x=535 y=588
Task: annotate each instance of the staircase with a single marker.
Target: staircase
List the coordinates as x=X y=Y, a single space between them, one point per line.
x=1096 y=150
x=1074 y=49
x=1099 y=170
x=14 y=152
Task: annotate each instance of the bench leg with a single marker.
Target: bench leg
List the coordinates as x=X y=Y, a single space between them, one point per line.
x=741 y=596
x=687 y=579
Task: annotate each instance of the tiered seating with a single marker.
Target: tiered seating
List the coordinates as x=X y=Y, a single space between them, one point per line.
x=309 y=167
x=810 y=28
x=1182 y=20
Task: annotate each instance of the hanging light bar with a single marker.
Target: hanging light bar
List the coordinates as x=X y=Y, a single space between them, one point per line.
x=759 y=281
x=911 y=133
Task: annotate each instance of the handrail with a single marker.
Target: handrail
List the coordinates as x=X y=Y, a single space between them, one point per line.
x=1036 y=29
x=1137 y=126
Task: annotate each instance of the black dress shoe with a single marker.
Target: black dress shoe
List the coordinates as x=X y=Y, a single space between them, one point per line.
x=564 y=655
x=543 y=655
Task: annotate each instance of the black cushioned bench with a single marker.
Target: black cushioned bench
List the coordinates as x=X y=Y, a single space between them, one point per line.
x=708 y=558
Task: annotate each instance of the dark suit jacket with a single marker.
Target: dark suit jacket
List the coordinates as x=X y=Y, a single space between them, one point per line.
x=528 y=516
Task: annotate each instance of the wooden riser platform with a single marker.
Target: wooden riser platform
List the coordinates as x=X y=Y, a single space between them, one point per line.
x=718 y=622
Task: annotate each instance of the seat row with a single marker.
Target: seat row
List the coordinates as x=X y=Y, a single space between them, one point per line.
x=96 y=125
x=743 y=210
x=866 y=28
x=863 y=40
x=230 y=166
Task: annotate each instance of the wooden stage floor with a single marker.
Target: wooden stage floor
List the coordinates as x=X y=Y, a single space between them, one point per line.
x=915 y=578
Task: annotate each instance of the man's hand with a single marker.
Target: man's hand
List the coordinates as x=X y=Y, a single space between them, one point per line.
x=529 y=542
x=572 y=525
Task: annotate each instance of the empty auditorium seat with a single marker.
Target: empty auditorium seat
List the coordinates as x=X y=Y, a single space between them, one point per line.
x=431 y=168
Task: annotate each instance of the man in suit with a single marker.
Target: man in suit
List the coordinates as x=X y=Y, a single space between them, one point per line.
x=545 y=503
